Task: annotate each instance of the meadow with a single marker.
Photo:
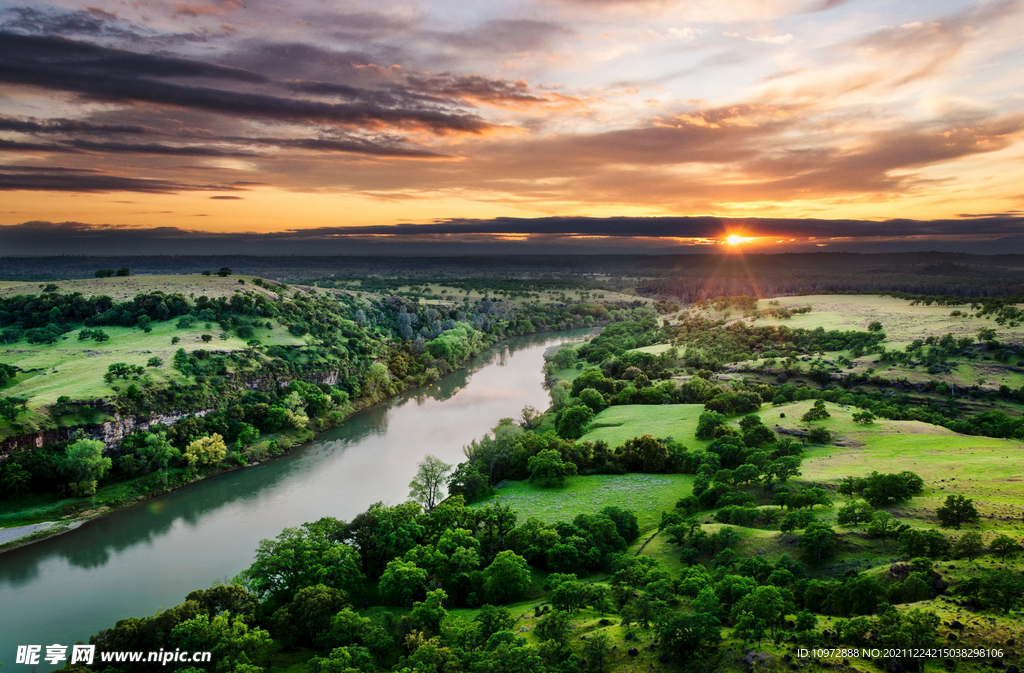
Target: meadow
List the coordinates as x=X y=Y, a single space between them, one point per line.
x=617 y=424
x=76 y=368
x=645 y=494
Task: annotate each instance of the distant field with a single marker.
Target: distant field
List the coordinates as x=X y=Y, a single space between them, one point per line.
x=122 y=288
x=656 y=349
x=902 y=322
x=647 y=495
x=75 y=368
x=617 y=424
x=982 y=468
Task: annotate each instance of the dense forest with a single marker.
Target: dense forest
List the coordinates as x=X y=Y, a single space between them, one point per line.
x=684 y=277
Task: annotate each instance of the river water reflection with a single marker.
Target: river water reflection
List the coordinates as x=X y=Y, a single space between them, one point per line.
x=149 y=556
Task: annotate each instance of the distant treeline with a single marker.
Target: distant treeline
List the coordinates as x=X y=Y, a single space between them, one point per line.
x=686 y=277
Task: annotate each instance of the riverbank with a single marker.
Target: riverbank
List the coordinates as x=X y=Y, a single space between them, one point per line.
x=69 y=513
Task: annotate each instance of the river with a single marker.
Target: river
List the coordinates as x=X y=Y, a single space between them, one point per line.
x=147 y=557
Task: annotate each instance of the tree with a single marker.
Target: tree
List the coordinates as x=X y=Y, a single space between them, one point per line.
x=530 y=418
x=883 y=526
x=819 y=436
x=596 y=649
x=207 y=338
x=969 y=546
x=764 y=603
x=548 y=469
x=232 y=643
x=864 y=417
x=690 y=635
x=206 y=451
x=816 y=413
x=401 y=582
x=707 y=423
x=956 y=511
x=304 y=557
x=593 y=399
x=427 y=486
x=573 y=422
x=1002 y=589
x=311 y=610
x=507 y=577
x=224 y=272
x=875 y=326
x=431 y=613
x=855 y=513
x=818 y=541
x=85 y=465
x=1004 y=546
x=913 y=630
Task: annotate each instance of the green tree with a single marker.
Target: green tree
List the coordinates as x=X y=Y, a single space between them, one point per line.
x=507 y=577
x=303 y=557
x=548 y=469
x=816 y=413
x=883 y=525
x=427 y=486
x=430 y=614
x=855 y=513
x=864 y=417
x=85 y=465
x=224 y=272
x=593 y=399
x=1002 y=589
x=573 y=422
x=310 y=612
x=233 y=645
x=956 y=511
x=596 y=651
x=1004 y=546
x=765 y=603
x=401 y=582
x=818 y=542
x=690 y=636
x=206 y=451
x=707 y=423
x=969 y=546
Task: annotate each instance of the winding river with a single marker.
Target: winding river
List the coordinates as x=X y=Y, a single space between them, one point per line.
x=147 y=557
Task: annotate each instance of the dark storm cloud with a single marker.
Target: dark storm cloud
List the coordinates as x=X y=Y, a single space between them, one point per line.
x=120 y=75
x=157 y=149
x=65 y=180
x=76 y=126
x=32 y=238
x=91 y=23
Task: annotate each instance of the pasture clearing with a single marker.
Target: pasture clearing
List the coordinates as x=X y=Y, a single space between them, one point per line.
x=647 y=495
x=76 y=368
x=617 y=424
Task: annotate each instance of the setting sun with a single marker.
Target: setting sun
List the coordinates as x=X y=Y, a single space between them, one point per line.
x=736 y=240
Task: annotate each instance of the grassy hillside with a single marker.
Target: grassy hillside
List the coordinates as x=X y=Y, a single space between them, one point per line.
x=902 y=322
x=75 y=368
x=646 y=494
x=126 y=287
x=617 y=424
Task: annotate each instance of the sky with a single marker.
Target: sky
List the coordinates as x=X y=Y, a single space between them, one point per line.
x=646 y=125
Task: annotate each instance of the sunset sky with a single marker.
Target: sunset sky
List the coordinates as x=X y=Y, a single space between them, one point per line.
x=800 y=124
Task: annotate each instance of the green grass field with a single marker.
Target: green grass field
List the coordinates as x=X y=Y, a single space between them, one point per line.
x=645 y=494
x=902 y=322
x=982 y=468
x=617 y=424
x=76 y=368
x=123 y=288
